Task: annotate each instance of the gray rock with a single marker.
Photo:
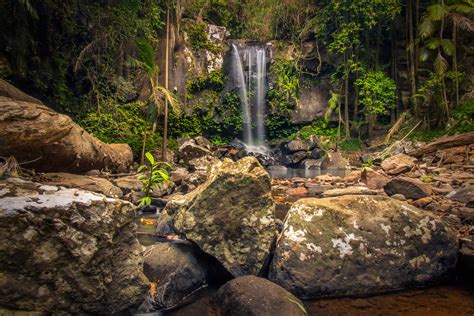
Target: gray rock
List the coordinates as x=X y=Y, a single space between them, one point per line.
x=313 y=104
x=302 y=145
x=373 y=179
x=349 y=191
x=253 y=296
x=360 y=245
x=317 y=153
x=398 y=164
x=128 y=184
x=230 y=216
x=67 y=251
x=410 y=188
x=190 y=150
x=334 y=160
x=88 y=183
x=179 y=271
x=295 y=158
x=311 y=164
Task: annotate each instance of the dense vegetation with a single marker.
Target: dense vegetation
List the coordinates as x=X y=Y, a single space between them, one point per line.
x=99 y=62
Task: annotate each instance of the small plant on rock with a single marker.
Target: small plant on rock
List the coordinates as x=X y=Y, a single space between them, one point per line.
x=152 y=173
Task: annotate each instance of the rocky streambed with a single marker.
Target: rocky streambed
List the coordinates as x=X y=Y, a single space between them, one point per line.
x=224 y=238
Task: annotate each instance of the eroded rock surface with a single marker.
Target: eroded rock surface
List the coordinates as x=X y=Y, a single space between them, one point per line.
x=253 y=296
x=230 y=216
x=53 y=142
x=410 y=188
x=359 y=245
x=67 y=251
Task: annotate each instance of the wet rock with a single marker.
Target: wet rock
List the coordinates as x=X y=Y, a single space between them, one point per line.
x=204 y=164
x=67 y=251
x=230 y=216
x=180 y=271
x=411 y=188
x=349 y=191
x=254 y=296
x=52 y=142
x=317 y=153
x=360 y=245
x=373 y=179
x=94 y=184
x=162 y=189
x=466 y=259
x=398 y=164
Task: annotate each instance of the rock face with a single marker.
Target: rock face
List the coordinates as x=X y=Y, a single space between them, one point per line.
x=230 y=216
x=53 y=142
x=359 y=245
x=179 y=271
x=67 y=251
x=94 y=184
x=313 y=104
x=410 y=188
x=253 y=296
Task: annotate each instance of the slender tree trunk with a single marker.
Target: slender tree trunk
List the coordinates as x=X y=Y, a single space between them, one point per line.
x=165 y=121
x=346 y=100
x=411 y=56
x=416 y=46
x=455 y=63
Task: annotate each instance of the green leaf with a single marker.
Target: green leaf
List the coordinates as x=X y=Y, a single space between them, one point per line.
x=426 y=27
x=141 y=168
x=424 y=54
x=164 y=175
x=440 y=64
x=437 y=11
x=433 y=43
x=150 y=158
x=448 y=47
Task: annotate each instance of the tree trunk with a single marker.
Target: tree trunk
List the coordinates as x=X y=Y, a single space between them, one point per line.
x=346 y=100
x=165 y=120
x=444 y=143
x=411 y=55
x=455 y=63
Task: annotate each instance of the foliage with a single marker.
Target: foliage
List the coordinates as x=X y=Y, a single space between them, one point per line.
x=377 y=92
x=351 y=145
x=198 y=38
x=218 y=118
x=215 y=81
x=318 y=128
x=151 y=174
x=121 y=123
x=463 y=118
x=282 y=98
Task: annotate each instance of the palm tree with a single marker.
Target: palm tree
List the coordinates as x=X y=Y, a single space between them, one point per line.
x=432 y=29
x=146 y=61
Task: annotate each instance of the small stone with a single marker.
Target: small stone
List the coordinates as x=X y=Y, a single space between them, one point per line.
x=422 y=202
x=399 y=197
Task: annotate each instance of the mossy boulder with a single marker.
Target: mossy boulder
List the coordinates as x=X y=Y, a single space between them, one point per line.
x=357 y=245
x=230 y=216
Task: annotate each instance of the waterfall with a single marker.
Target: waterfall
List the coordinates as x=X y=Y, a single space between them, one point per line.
x=252 y=91
x=238 y=73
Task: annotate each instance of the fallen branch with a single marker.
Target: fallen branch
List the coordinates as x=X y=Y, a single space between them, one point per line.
x=444 y=143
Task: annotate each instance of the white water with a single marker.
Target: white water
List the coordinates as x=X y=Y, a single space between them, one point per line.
x=238 y=73
x=252 y=94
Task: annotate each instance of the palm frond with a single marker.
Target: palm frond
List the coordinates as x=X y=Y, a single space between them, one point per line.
x=462 y=22
x=440 y=64
x=448 y=47
x=424 y=54
x=437 y=11
x=433 y=43
x=426 y=27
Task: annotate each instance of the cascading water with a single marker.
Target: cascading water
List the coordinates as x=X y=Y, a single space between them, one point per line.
x=239 y=75
x=252 y=86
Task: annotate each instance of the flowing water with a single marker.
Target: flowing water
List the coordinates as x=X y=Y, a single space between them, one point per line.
x=251 y=83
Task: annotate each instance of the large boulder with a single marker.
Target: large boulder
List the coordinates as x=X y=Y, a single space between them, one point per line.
x=312 y=104
x=67 y=251
x=177 y=272
x=410 y=188
x=88 y=183
x=50 y=141
x=230 y=216
x=334 y=160
x=360 y=245
x=254 y=296
x=301 y=144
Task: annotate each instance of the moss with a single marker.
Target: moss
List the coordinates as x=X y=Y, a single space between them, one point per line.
x=199 y=40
